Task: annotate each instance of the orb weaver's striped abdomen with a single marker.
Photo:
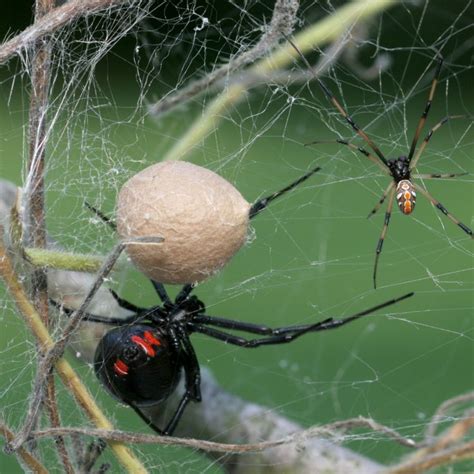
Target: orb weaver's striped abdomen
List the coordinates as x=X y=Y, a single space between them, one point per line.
x=406 y=196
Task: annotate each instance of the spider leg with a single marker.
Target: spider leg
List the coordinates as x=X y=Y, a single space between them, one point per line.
x=232 y=324
x=237 y=340
x=422 y=120
x=184 y=292
x=246 y=327
x=191 y=366
x=261 y=204
x=146 y=419
x=437 y=175
x=105 y=219
x=330 y=96
x=381 y=201
x=438 y=205
x=185 y=399
x=192 y=375
x=357 y=148
x=126 y=304
x=378 y=250
x=161 y=291
x=287 y=334
x=442 y=122
x=94 y=318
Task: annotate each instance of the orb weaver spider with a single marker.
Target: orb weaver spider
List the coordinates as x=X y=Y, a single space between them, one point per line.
x=399 y=169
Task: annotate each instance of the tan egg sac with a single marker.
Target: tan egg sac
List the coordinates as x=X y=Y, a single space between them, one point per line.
x=201 y=216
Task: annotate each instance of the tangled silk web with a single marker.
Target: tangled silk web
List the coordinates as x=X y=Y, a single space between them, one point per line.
x=128 y=84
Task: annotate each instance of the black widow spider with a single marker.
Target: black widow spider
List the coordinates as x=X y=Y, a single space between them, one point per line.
x=399 y=169
x=140 y=361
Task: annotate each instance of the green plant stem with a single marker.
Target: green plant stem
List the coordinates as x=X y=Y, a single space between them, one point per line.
x=63 y=260
x=325 y=31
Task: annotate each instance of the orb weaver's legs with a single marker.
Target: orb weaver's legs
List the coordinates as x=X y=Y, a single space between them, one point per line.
x=330 y=96
x=437 y=175
x=357 y=148
x=439 y=206
x=424 y=115
x=378 y=250
x=278 y=335
x=261 y=204
x=442 y=122
x=382 y=200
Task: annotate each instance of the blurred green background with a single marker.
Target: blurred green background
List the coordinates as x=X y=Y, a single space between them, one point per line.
x=311 y=254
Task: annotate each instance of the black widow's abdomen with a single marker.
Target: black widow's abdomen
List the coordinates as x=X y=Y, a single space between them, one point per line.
x=137 y=364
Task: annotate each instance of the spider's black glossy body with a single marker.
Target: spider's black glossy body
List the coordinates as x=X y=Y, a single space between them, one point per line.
x=139 y=364
x=141 y=361
x=399 y=168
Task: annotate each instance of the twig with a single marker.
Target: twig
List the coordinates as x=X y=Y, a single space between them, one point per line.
x=454 y=433
x=141 y=438
x=328 y=30
x=35 y=215
x=63 y=260
x=330 y=430
x=442 y=458
x=65 y=371
x=283 y=19
x=362 y=422
x=56 y=350
x=53 y=21
x=433 y=446
x=27 y=458
x=327 y=58
x=51 y=406
x=87 y=455
x=443 y=409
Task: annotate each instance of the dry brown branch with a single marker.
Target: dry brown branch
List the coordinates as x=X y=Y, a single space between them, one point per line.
x=443 y=409
x=51 y=406
x=35 y=228
x=283 y=19
x=331 y=430
x=437 y=451
x=65 y=371
x=362 y=422
x=58 y=18
x=27 y=459
x=441 y=458
x=454 y=433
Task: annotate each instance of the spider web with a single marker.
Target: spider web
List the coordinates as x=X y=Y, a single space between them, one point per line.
x=310 y=255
